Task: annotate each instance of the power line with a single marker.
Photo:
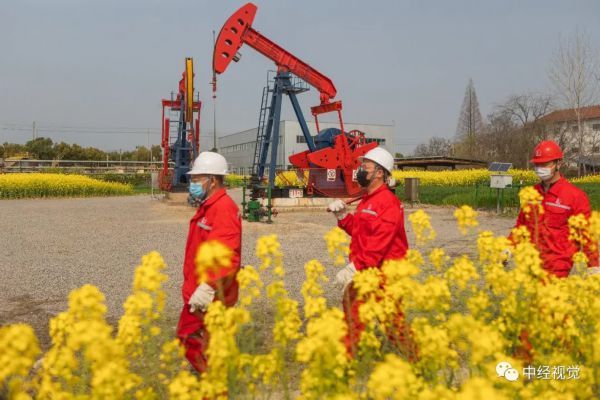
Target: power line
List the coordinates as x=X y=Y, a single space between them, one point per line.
x=79 y=132
x=78 y=129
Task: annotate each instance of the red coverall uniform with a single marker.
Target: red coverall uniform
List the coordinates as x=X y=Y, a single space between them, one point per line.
x=552 y=240
x=218 y=218
x=377 y=234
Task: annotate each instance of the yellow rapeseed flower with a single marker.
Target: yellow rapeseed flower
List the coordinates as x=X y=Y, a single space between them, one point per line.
x=421 y=223
x=394 y=378
x=19 y=348
x=531 y=202
x=438 y=258
x=466 y=218
x=337 y=245
x=212 y=255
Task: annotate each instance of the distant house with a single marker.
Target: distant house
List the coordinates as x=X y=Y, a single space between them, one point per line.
x=561 y=125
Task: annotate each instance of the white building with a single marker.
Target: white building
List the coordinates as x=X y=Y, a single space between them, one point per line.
x=238 y=148
x=561 y=125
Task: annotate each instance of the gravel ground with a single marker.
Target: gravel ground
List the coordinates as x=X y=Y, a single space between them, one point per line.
x=52 y=246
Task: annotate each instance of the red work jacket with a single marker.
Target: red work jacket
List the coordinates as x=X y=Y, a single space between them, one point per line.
x=552 y=240
x=218 y=218
x=376 y=229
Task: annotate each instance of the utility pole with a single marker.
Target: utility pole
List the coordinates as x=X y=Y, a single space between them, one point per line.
x=33 y=130
x=149 y=150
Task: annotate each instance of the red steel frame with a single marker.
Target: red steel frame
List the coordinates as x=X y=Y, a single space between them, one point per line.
x=194 y=106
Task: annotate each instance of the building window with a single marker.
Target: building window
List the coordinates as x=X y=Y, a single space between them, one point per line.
x=596 y=127
x=300 y=139
x=573 y=128
x=596 y=149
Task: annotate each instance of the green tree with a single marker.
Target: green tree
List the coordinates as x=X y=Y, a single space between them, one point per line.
x=156 y=152
x=141 y=153
x=13 y=149
x=40 y=148
x=92 y=153
x=62 y=150
x=76 y=153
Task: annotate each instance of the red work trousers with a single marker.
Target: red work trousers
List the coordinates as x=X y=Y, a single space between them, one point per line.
x=191 y=329
x=398 y=332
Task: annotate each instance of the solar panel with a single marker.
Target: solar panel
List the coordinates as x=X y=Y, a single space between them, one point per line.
x=499 y=167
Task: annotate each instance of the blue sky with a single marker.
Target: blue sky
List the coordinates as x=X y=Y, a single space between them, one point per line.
x=106 y=64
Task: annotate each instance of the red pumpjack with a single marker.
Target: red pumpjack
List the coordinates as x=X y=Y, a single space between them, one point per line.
x=332 y=169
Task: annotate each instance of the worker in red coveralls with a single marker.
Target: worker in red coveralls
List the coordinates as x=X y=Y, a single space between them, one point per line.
x=377 y=234
x=217 y=218
x=550 y=232
x=561 y=200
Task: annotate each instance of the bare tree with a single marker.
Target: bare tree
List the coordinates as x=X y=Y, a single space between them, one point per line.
x=499 y=135
x=436 y=146
x=525 y=111
x=573 y=72
x=470 y=123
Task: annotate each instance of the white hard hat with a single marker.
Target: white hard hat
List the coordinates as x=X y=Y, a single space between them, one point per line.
x=209 y=163
x=381 y=156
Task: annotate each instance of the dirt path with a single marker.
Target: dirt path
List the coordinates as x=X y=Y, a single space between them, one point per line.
x=50 y=247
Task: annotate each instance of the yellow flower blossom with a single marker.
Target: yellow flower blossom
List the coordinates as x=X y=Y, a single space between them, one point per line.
x=438 y=258
x=314 y=303
x=212 y=256
x=16 y=186
x=367 y=281
x=462 y=272
x=579 y=231
x=185 y=386
x=531 y=202
x=324 y=353
x=466 y=218
x=250 y=285
x=394 y=379
x=268 y=250
x=520 y=234
x=337 y=245
x=19 y=350
x=492 y=249
x=421 y=224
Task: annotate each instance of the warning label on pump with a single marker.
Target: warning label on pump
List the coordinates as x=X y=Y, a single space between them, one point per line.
x=330 y=175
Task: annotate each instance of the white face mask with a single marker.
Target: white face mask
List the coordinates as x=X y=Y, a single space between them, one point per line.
x=543 y=173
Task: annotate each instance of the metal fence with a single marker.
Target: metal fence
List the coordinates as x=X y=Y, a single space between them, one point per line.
x=78 y=166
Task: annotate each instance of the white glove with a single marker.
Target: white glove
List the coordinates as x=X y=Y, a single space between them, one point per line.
x=593 y=270
x=338 y=208
x=201 y=298
x=344 y=276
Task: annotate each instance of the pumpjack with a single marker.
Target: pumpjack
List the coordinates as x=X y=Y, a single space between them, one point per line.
x=179 y=151
x=332 y=158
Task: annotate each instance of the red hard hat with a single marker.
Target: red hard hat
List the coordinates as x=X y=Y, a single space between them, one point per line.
x=546 y=151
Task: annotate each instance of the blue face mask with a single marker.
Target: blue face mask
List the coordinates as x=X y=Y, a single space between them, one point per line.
x=197 y=191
